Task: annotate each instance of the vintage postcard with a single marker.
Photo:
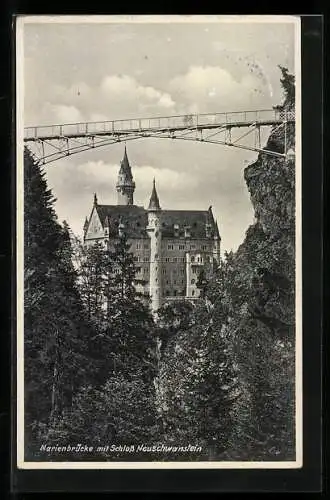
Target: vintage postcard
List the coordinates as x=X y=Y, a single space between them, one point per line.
x=158 y=242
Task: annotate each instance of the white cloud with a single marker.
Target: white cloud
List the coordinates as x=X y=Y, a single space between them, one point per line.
x=128 y=88
x=212 y=88
x=59 y=113
x=167 y=180
x=115 y=97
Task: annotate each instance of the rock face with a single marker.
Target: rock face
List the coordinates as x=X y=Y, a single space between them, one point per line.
x=263 y=326
x=268 y=251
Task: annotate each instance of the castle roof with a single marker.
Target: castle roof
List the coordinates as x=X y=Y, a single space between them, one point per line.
x=154 y=200
x=173 y=222
x=133 y=218
x=125 y=168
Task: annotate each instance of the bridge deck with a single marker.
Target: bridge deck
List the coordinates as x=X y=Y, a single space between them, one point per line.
x=144 y=126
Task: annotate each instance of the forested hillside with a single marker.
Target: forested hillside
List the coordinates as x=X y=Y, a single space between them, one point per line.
x=219 y=374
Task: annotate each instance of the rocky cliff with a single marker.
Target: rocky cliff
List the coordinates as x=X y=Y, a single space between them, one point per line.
x=261 y=282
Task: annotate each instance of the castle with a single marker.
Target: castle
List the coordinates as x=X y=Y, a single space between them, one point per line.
x=170 y=247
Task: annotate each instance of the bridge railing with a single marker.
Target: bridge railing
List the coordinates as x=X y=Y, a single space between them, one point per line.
x=157 y=123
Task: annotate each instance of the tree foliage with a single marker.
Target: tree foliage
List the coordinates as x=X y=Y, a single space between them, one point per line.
x=56 y=334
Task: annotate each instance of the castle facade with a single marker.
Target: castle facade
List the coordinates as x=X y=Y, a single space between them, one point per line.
x=170 y=247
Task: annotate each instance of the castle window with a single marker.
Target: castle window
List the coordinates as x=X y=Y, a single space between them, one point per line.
x=192 y=281
x=208 y=228
x=136 y=258
x=181 y=247
x=182 y=282
x=145 y=270
x=193 y=292
x=181 y=271
x=146 y=259
x=192 y=259
x=174 y=282
x=182 y=259
x=168 y=293
x=164 y=271
x=175 y=292
x=204 y=247
x=175 y=259
x=198 y=259
x=138 y=269
x=167 y=282
x=192 y=247
x=138 y=224
x=167 y=259
x=170 y=247
x=187 y=232
x=194 y=270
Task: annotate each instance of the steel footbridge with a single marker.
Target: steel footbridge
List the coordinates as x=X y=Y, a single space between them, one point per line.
x=50 y=143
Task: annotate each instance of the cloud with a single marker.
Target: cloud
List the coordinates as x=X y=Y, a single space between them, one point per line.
x=59 y=113
x=212 y=88
x=104 y=175
x=129 y=89
x=114 y=97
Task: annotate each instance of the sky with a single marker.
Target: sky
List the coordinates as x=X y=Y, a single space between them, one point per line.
x=91 y=72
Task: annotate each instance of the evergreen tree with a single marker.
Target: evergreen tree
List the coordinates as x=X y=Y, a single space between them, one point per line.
x=197 y=385
x=94 y=266
x=288 y=86
x=56 y=333
x=130 y=326
x=121 y=395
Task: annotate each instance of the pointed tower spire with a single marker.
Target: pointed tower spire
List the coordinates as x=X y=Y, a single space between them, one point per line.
x=125 y=184
x=95 y=199
x=125 y=163
x=154 y=200
x=155 y=233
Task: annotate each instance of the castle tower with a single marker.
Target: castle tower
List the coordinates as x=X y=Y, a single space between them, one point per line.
x=188 y=276
x=154 y=231
x=125 y=185
x=217 y=241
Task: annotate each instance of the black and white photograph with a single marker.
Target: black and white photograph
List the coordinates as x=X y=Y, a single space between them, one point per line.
x=158 y=242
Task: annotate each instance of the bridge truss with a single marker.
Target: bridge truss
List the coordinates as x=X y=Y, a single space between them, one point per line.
x=53 y=142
